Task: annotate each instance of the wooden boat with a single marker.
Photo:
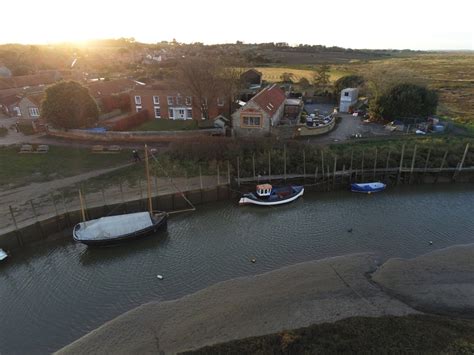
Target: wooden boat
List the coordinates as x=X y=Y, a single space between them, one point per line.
x=116 y=229
x=368 y=187
x=3 y=255
x=267 y=195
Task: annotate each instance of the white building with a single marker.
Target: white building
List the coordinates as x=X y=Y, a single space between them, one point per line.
x=348 y=98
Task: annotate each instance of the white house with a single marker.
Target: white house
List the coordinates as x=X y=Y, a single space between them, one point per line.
x=348 y=98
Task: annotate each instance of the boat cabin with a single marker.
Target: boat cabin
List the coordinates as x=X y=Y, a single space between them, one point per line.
x=264 y=190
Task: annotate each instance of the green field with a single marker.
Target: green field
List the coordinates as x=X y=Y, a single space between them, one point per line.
x=20 y=169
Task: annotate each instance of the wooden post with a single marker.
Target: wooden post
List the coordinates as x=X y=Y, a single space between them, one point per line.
x=284 y=161
x=200 y=176
x=412 y=165
x=228 y=171
x=375 y=161
x=460 y=165
x=238 y=171
x=316 y=174
x=17 y=231
x=350 y=169
x=334 y=171
x=269 y=163
x=121 y=191
x=362 y=164
x=56 y=211
x=304 y=165
x=387 y=163
x=140 y=187
x=322 y=163
x=427 y=160
x=253 y=166
x=148 y=184
x=401 y=164
x=68 y=217
x=38 y=224
x=441 y=166
x=218 y=175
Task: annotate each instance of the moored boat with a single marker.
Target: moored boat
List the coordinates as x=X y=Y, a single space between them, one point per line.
x=116 y=229
x=3 y=255
x=368 y=187
x=267 y=195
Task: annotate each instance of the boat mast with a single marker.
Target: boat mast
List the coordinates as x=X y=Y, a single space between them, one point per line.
x=147 y=170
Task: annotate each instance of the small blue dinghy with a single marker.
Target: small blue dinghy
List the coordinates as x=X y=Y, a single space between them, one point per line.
x=368 y=187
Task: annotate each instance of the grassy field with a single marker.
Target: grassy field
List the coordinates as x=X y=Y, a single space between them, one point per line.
x=168 y=125
x=19 y=169
x=273 y=74
x=414 y=334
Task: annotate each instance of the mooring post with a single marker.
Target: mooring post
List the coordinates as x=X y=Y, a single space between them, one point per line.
x=375 y=161
x=316 y=174
x=441 y=166
x=461 y=163
x=37 y=220
x=17 y=231
x=200 y=176
x=155 y=179
x=68 y=217
x=304 y=165
x=269 y=163
x=56 y=211
x=401 y=164
x=362 y=164
x=343 y=172
x=413 y=159
x=350 y=168
x=334 y=171
x=427 y=160
x=253 y=166
x=238 y=171
x=322 y=163
x=141 y=193
x=284 y=161
x=387 y=163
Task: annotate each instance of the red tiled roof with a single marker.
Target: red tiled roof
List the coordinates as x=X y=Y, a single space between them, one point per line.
x=10 y=100
x=28 y=80
x=270 y=99
x=107 y=88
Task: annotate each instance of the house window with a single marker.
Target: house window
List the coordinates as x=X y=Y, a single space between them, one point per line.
x=171 y=113
x=34 y=112
x=189 y=100
x=138 y=100
x=189 y=113
x=170 y=100
x=346 y=94
x=138 y=108
x=178 y=101
x=181 y=114
x=251 y=121
x=220 y=101
x=157 y=112
x=156 y=100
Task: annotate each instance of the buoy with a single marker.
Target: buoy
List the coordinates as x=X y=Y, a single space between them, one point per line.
x=431 y=243
x=160 y=277
x=253 y=260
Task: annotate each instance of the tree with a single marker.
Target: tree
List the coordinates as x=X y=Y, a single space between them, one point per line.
x=406 y=100
x=287 y=77
x=69 y=105
x=321 y=76
x=304 y=83
x=201 y=77
x=348 y=81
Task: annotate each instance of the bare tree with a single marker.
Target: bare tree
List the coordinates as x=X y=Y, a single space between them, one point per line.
x=201 y=78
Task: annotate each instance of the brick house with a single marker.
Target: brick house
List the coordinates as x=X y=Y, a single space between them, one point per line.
x=260 y=114
x=167 y=101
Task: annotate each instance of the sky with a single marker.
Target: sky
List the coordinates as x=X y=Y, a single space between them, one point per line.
x=395 y=24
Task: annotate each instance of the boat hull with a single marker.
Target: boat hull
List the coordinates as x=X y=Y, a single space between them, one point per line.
x=159 y=222
x=368 y=188
x=250 y=199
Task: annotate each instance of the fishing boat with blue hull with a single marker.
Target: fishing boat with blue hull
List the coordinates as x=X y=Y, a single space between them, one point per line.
x=368 y=187
x=267 y=195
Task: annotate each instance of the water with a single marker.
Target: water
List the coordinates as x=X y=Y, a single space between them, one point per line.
x=52 y=294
